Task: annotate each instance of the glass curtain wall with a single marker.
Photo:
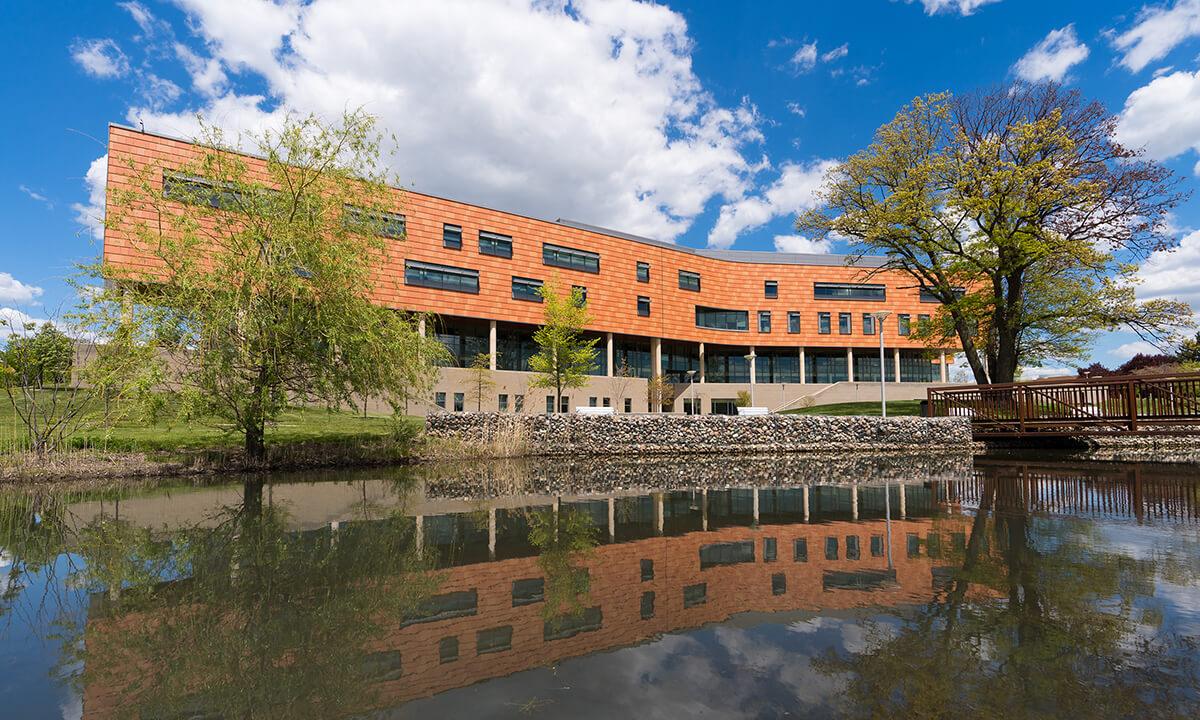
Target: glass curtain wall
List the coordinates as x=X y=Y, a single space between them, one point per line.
x=463 y=338
x=777 y=366
x=515 y=345
x=678 y=358
x=825 y=367
x=724 y=364
x=915 y=366
x=635 y=354
x=866 y=368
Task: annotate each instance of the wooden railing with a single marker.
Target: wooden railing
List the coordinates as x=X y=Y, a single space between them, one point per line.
x=1145 y=404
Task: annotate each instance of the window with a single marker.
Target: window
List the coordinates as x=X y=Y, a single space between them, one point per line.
x=628 y=405
x=694 y=595
x=769 y=549
x=838 y=291
x=570 y=259
x=852 y=552
x=439 y=399
x=591 y=402
x=502 y=402
x=876 y=546
x=764 y=321
x=727 y=553
x=718 y=319
x=823 y=323
x=566 y=404
x=771 y=288
x=518 y=403
x=643 y=272
x=448 y=650
x=922 y=319
x=442 y=277
x=549 y=403
x=845 y=324
x=458 y=402
x=647 y=605
x=528 y=591
x=793 y=322
x=376 y=222
x=868 y=324
x=779 y=584
x=647 y=570
x=800 y=550
x=831 y=548
x=452 y=237
x=526 y=289
x=494 y=640
x=643 y=306
x=582 y=295
x=689 y=280
x=196 y=190
x=491 y=243
x=927 y=295
x=904 y=324
x=607 y=402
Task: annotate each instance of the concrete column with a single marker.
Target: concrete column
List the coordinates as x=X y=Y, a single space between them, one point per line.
x=333 y=532
x=850 y=364
x=704 y=509
x=612 y=514
x=420 y=534
x=492 y=526
x=492 y=344
x=854 y=501
x=805 y=503
x=942 y=357
x=803 y=379
x=608 y=352
x=658 y=514
x=896 y=358
x=753 y=367
x=755 y=506
x=701 y=363
x=656 y=356
x=903 y=512
x=421 y=325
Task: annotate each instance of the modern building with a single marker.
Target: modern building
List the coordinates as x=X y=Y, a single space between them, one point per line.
x=715 y=322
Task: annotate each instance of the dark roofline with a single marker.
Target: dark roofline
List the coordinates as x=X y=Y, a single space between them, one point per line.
x=758 y=257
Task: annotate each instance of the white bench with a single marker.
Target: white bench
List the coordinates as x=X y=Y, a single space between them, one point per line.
x=587 y=410
x=753 y=411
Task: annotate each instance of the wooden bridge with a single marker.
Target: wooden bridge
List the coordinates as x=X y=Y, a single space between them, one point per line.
x=1124 y=405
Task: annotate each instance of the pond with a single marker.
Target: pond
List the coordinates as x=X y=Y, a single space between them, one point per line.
x=908 y=586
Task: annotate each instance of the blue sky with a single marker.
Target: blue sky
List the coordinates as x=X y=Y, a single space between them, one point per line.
x=705 y=123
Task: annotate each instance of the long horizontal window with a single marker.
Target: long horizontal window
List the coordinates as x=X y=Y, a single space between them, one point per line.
x=927 y=295
x=717 y=319
x=442 y=277
x=383 y=223
x=689 y=280
x=196 y=190
x=570 y=259
x=837 y=291
x=491 y=243
x=526 y=289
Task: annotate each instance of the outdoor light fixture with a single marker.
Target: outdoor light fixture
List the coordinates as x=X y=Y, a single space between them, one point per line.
x=750 y=360
x=880 y=316
x=692 y=386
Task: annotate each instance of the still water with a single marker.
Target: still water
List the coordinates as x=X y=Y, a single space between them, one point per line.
x=718 y=587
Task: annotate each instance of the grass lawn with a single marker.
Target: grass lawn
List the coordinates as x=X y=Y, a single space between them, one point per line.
x=895 y=408
x=293 y=426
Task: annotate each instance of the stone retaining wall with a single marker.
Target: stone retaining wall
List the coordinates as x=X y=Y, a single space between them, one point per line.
x=570 y=434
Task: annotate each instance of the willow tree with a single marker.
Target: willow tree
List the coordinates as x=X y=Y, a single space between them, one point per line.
x=261 y=272
x=1016 y=208
x=564 y=356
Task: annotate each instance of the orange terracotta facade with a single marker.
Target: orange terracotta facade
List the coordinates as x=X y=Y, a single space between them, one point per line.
x=735 y=284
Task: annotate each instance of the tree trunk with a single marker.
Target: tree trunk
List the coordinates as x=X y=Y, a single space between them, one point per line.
x=256 y=446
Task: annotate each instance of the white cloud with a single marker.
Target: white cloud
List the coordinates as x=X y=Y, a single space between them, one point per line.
x=91 y=215
x=1158 y=31
x=1052 y=57
x=962 y=7
x=838 y=52
x=1138 y=347
x=592 y=113
x=1037 y=373
x=16 y=292
x=140 y=14
x=1163 y=116
x=1173 y=275
x=13 y=322
x=208 y=76
x=805 y=58
x=790 y=193
x=801 y=244
x=100 y=57
x=795 y=109
x=36 y=196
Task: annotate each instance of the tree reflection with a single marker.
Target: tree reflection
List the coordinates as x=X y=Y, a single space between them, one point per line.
x=564 y=538
x=241 y=616
x=1040 y=625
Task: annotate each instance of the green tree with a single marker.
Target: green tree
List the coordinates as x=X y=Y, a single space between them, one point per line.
x=660 y=391
x=564 y=356
x=40 y=357
x=1189 y=350
x=264 y=272
x=482 y=385
x=1016 y=208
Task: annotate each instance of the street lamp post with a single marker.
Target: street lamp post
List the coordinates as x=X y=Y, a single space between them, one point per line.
x=692 y=387
x=880 y=316
x=750 y=361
